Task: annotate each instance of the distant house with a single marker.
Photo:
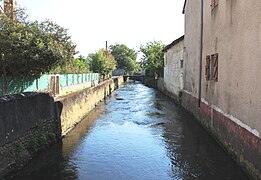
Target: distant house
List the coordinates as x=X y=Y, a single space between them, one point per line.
x=1 y=7
x=173 y=67
x=118 y=72
x=5 y=5
x=226 y=96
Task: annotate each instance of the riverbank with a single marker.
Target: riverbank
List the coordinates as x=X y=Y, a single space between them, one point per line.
x=31 y=122
x=138 y=133
x=221 y=128
x=75 y=106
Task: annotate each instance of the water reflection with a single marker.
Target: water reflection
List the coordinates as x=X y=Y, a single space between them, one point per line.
x=138 y=134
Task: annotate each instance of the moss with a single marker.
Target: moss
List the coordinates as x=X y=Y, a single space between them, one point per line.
x=41 y=142
x=34 y=145
x=156 y=115
x=19 y=148
x=52 y=137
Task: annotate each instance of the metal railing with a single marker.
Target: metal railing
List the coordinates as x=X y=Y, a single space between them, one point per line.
x=60 y=82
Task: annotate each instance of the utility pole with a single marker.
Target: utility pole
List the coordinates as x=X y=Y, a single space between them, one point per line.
x=106 y=45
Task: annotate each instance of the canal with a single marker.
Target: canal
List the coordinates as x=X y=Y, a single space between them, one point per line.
x=138 y=133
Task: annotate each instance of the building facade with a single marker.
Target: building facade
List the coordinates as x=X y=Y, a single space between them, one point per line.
x=229 y=93
x=1 y=7
x=173 y=67
x=6 y=5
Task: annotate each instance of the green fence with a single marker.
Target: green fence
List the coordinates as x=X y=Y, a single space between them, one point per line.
x=43 y=82
x=72 y=79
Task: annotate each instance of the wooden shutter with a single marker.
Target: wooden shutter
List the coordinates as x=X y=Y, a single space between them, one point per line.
x=207 y=68
x=215 y=67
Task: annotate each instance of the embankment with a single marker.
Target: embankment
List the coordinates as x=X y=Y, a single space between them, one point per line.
x=77 y=105
x=28 y=124
x=31 y=122
x=241 y=143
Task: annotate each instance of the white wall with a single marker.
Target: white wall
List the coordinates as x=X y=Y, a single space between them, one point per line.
x=173 y=73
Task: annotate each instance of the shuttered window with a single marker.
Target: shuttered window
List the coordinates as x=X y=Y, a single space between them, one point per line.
x=211 y=68
x=215 y=65
x=207 y=68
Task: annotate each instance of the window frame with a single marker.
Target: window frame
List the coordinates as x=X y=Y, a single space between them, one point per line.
x=211 y=67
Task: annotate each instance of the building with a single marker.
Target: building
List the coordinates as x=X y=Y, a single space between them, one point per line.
x=6 y=5
x=173 y=68
x=1 y=6
x=227 y=96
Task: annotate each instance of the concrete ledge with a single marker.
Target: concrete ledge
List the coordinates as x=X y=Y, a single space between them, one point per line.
x=75 y=106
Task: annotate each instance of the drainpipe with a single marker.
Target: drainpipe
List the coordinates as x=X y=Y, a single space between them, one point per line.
x=200 y=54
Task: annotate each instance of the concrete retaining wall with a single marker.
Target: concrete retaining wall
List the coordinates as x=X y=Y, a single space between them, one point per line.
x=238 y=141
x=77 y=105
x=160 y=85
x=28 y=124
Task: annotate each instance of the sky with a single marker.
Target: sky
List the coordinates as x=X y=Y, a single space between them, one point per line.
x=91 y=23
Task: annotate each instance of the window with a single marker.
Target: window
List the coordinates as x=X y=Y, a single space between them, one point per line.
x=211 y=68
x=213 y=4
x=181 y=63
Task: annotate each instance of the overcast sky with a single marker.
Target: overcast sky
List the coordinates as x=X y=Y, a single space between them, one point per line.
x=131 y=22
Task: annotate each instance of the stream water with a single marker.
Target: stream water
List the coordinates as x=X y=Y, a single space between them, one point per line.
x=138 y=133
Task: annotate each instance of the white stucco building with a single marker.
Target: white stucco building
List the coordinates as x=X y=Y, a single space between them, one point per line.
x=173 y=67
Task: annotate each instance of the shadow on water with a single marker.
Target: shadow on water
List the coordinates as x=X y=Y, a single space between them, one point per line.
x=144 y=135
x=55 y=163
x=195 y=155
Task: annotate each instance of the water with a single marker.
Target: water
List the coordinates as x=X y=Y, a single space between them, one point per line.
x=137 y=134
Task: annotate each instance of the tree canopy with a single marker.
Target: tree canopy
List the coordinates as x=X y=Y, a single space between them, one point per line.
x=77 y=65
x=153 y=59
x=125 y=57
x=102 y=62
x=32 y=48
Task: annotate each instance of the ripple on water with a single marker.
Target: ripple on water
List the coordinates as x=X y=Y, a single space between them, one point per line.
x=143 y=136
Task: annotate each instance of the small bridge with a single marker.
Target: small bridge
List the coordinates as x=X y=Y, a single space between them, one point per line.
x=133 y=77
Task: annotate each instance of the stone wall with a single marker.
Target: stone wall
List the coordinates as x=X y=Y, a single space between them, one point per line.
x=28 y=124
x=151 y=82
x=31 y=122
x=77 y=105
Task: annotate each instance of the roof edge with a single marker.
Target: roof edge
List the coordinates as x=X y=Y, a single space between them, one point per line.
x=183 y=11
x=173 y=43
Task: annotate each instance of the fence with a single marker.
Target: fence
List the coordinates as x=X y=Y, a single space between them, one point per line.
x=62 y=82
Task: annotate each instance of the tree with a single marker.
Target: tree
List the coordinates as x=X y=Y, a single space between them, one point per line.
x=75 y=66
x=32 y=48
x=125 y=57
x=153 y=59
x=102 y=62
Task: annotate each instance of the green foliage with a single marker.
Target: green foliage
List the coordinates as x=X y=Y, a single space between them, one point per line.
x=41 y=142
x=125 y=57
x=102 y=62
x=32 y=48
x=19 y=147
x=153 y=59
x=75 y=66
